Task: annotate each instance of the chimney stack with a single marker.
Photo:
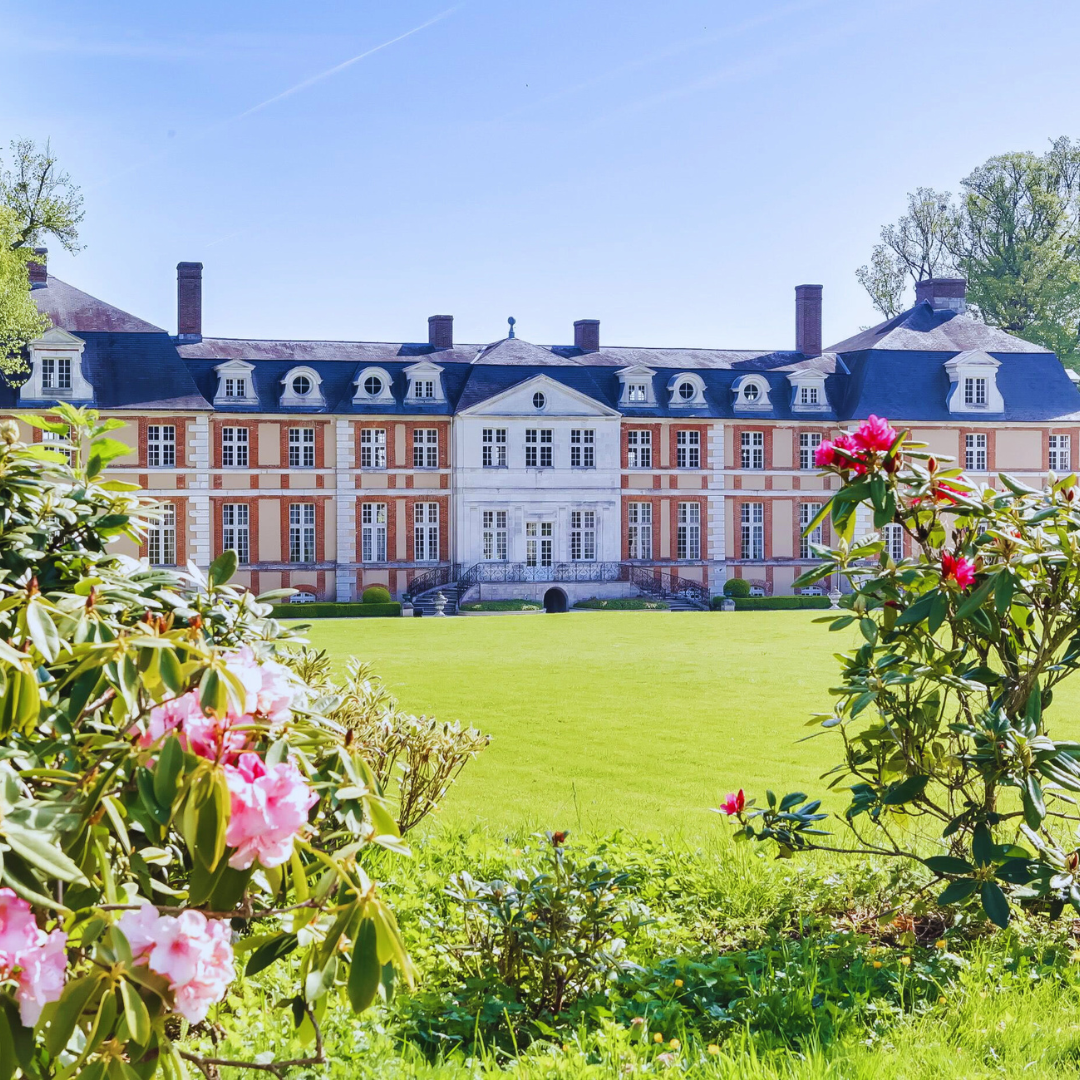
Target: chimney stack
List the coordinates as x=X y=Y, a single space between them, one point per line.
x=39 y=267
x=943 y=293
x=189 y=301
x=587 y=335
x=440 y=331
x=808 y=319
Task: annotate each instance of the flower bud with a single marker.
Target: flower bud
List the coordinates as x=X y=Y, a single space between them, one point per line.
x=1072 y=861
x=931 y=464
x=9 y=431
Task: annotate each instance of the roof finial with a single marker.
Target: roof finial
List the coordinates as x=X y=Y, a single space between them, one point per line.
x=511 y=321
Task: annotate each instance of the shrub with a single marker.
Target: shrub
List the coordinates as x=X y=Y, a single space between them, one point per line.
x=942 y=707
x=622 y=603
x=319 y=610
x=376 y=594
x=772 y=603
x=736 y=587
x=502 y=605
x=161 y=773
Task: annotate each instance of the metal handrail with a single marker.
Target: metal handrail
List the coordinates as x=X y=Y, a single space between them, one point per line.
x=661 y=584
x=435 y=578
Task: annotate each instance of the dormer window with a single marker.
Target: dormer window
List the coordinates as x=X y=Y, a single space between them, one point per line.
x=687 y=390
x=808 y=395
x=637 y=393
x=373 y=386
x=425 y=388
x=636 y=386
x=975 y=392
x=56 y=373
x=425 y=383
x=751 y=393
x=302 y=388
x=235 y=383
x=236 y=388
x=808 y=389
x=56 y=369
x=973 y=378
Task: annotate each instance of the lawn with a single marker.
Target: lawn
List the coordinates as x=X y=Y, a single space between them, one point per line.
x=602 y=720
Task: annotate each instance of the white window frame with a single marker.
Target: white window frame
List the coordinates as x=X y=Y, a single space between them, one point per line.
x=56 y=373
x=752 y=523
x=425 y=448
x=373 y=448
x=1060 y=454
x=637 y=393
x=893 y=535
x=808 y=395
x=976 y=452
x=236 y=530
x=976 y=393
x=639 y=530
x=495 y=536
x=234 y=448
x=539 y=448
x=235 y=386
x=372 y=532
x=807 y=513
x=639 y=448
x=582 y=448
x=688 y=531
x=161 y=537
x=426 y=532
x=809 y=441
x=161 y=446
x=302 y=532
x=688 y=449
x=493 y=452
x=582 y=535
x=752 y=450
x=301 y=448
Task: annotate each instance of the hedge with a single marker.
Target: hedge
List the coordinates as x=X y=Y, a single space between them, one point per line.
x=502 y=605
x=772 y=603
x=621 y=604
x=376 y=594
x=737 y=587
x=335 y=611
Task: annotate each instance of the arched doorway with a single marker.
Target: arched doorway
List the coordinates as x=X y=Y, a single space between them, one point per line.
x=554 y=601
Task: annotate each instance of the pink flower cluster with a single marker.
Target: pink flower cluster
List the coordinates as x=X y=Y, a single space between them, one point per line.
x=189 y=950
x=734 y=804
x=873 y=436
x=957 y=568
x=269 y=808
x=36 y=961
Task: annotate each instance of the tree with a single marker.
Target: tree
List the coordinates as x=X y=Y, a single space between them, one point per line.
x=41 y=196
x=20 y=320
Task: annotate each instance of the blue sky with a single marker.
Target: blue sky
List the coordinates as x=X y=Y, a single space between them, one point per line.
x=673 y=169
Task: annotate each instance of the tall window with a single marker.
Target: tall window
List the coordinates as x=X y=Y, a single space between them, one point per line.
x=975 y=452
x=639 y=449
x=583 y=535
x=637 y=393
x=808 y=395
x=539 y=543
x=302 y=532
x=582 y=448
x=809 y=441
x=236 y=387
x=975 y=392
x=235 y=530
x=495 y=547
x=753 y=449
x=56 y=373
x=373 y=448
x=807 y=513
x=160 y=446
x=301 y=448
x=639 y=530
x=894 y=541
x=538 y=448
x=234 y=447
x=425 y=448
x=688 y=449
x=161 y=537
x=688 y=534
x=1060 y=454
x=426 y=532
x=373 y=532
x=494 y=448
x=753 y=531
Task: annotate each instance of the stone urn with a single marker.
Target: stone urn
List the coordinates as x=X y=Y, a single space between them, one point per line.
x=727 y=604
x=406 y=609
x=440 y=604
x=834 y=600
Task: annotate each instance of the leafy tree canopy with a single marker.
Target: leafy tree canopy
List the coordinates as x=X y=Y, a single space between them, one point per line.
x=20 y=320
x=41 y=196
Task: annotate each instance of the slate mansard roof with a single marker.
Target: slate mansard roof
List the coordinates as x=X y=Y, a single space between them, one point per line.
x=896 y=369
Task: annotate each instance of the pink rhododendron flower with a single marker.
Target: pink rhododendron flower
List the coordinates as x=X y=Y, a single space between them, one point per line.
x=18 y=927
x=270 y=687
x=734 y=803
x=874 y=434
x=41 y=976
x=268 y=809
x=957 y=568
x=825 y=455
x=140 y=928
x=204 y=735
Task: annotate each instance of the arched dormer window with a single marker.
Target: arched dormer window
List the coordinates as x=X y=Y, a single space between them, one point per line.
x=373 y=387
x=687 y=391
x=425 y=384
x=301 y=388
x=751 y=393
x=236 y=384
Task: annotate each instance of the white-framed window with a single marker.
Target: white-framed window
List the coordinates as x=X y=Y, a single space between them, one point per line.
x=426 y=532
x=62 y=438
x=302 y=597
x=688 y=531
x=637 y=393
x=753 y=450
x=373 y=386
x=639 y=449
x=688 y=449
x=425 y=448
x=235 y=530
x=494 y=448
x=809 y=441
x=808 y=395
x=302 y=531
x=752 y=516
x=160 y=446
x=495 y=543
x=639 y=530
x=582 y=448
x=424 y=388
x=373 y=448
x=539 y=448
x=893 y=535
x=301 y=448
x=234 y=447
x=975 y=392
x=975 y=453
x=807 y=513
x=373 y=532
x=583 y=535
x=56 y=373
x=539 y=543
x=686 y=390
x=1060 y=454
x=236 y=387
x=161 y=537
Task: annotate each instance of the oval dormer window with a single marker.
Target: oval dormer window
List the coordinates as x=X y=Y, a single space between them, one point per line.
x=373 y=386
x=751 y=392
x=301 y=386
x=687 y=390
x=539 y=401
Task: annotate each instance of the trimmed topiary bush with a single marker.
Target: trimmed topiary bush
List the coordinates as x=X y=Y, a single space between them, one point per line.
x=736 y=587
x=376 y=594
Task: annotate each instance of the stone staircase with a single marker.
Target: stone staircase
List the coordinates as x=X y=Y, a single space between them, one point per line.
x=426 y=601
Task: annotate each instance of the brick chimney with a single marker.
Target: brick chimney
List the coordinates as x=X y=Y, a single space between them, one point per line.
x=943 y=293
x=39 y=267
x=189 y=301
x=587 y=335
x=808 y=319
x=440 y=331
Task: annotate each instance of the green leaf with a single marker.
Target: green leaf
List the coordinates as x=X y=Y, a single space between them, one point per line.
x=222 y=568
x=904 y=790
x=73 y=1002
x=948 y=864
x=169 y=763
x=958 y=890
x=994 y=904
x=982 y=845
x=21 y=702
x=135 y=1012
x=8 y=1062
x=214 y=693
x=976 y=599
x=918 y=611
x=1033 y=708
x=42 y=851
x=172 y=674
x=270 y=953
x=144 y=780
x=42 y=630
x=365 y=971
x=1032 y=798
x=1003 y=592
x=938 y=610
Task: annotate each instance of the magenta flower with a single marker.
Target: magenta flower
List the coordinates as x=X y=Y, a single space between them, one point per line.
x=958 y=569
x=734 y=803
x=874 y=434
x=18 y=927
x=41 y=976
x=207 y=736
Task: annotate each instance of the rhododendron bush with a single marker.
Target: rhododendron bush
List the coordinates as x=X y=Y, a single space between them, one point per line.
x=944 y=708
x=177 y=806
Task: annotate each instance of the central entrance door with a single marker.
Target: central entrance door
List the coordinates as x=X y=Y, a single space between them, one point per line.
x=539 y=548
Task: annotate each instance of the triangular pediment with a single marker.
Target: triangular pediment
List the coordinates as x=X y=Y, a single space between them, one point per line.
x=422 y=368
x=55 y=337
x=559 y=400
x=639 y=371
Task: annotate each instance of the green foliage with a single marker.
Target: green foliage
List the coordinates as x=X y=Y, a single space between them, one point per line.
x=319 y=610
x=737 y=587
x=501 y=605
x=773 y=603
x=20 y=320
x=376 y=594
x=41 y=197
x=622 y=603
